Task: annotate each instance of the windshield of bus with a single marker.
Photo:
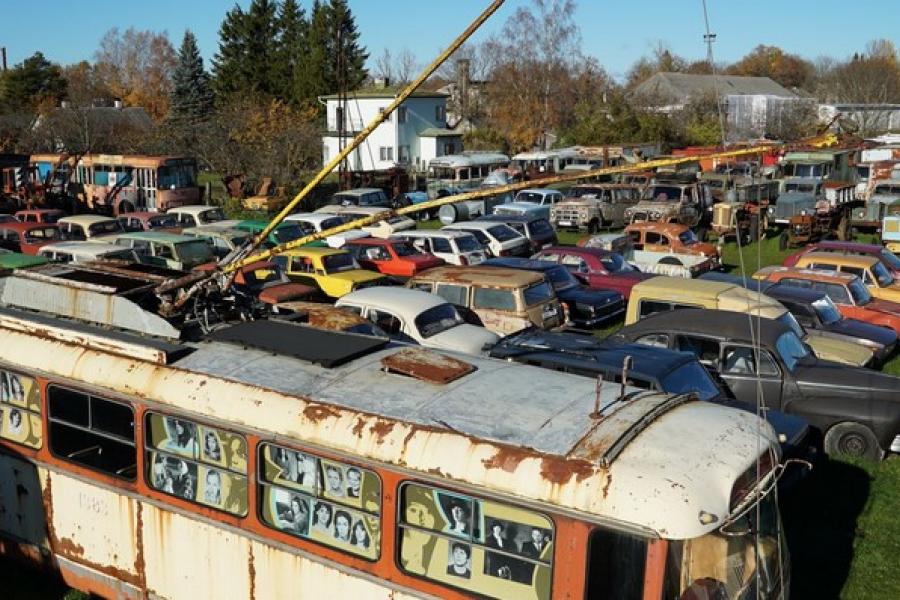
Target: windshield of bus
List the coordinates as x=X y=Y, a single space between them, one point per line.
x=195 y=252
x=663 y=193
x=173 y=177
x=791 y=349
x=691 y=377
x=882 y=275
x=438 y=319
x=441 y=173
x=561 y=278
x=826 y=310
x=335 y=263
x=106 y=227
x=162 y=221
x=744 y=564
x=614 y=263
x=859 y=292
x=538 y=293
x=467 y=243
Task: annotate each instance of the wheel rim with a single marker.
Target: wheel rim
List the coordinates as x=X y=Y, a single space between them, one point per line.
x=853 y=445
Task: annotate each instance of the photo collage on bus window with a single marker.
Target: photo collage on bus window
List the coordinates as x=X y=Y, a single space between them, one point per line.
x=489 y=548
x=327 y=501
x=20 y=409
x=198 y=463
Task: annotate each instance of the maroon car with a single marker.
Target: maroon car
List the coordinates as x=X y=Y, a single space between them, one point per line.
x=391 y=257
x=596 y=268
x=148 y=221
x=887 y=258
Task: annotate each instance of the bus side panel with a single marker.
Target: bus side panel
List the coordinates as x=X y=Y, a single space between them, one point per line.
x=92 y=526
x=186 y=558
x=21 y=510
x=278 y=574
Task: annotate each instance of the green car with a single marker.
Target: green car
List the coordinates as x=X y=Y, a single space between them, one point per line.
x=15 y=260
x=167 y=250
x=284 y=233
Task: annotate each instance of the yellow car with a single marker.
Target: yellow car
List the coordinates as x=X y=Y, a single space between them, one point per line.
x=334 y=272
x=869 y=269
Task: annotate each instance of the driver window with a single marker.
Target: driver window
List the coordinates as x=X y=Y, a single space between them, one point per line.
x=389 y=323
x=301 y=264
x=162 y=251
x=706 y=350
x=741 y=360
x=441 y=245
x=575 y=263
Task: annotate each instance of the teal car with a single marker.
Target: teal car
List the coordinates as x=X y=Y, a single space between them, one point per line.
x=167 y=250
x=284 y=233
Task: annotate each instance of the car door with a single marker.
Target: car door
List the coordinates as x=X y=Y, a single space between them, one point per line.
x=390 y=323
x=301 y=270
x=738 y=368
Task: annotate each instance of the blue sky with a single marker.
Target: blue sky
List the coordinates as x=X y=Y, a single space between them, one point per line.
x=615 y=32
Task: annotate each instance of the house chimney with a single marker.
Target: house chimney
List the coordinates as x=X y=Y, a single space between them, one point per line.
x=3 y=54
x=462 y=79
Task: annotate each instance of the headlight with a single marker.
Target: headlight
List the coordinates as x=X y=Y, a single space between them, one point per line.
x=771 y=210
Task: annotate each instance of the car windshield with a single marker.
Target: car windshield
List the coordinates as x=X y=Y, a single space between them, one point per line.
x=788 y=319
x=859 y=292
x=664 y=193
x=287 y=233
x=42 y=234
x=195 y=252
x=467 y=243
x=538 y=293
x=503 y=233
x=882 y=275
x=687 y=237
x=691 y=377
x=614 y=263
x=561 y=278
x=211 y=216
x=161 y=221
x=438 y=319
x=891 y=259
x=826 y=310
x=791 y=349
x=106 y=227
x=335 y=263
x=585 y=192
x=404 y=249
x=533 y=197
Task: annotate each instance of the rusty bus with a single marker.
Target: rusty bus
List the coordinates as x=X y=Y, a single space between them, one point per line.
x=142 y=456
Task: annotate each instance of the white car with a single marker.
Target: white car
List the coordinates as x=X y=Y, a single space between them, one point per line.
x=315 y=222
x=194 y=215
x=381 y=229
x=498 y=239
x=89 y=228
x=418 y=317
x=79 y=252
x=455 y=247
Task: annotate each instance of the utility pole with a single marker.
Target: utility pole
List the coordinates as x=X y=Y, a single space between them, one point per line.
x=3 y=53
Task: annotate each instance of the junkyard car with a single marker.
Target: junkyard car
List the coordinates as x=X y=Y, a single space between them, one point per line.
x=362 y=197
x=856 y=410
x=672 y=238
x=40 y=215
x=267 y=282
x=535 y=203
x=285 y=232
x=536 y=229
x=168 y=250
x=193 y=215
x=222 y=239
x=383 y=228
x=594 y=206
x=596 y=268
x=78 y=252
x=674 y=202
x=418 y=317
x=89 y=227
x=890 y=260
x=27 y=238
x=454 y=247
x=147 y=221
x=869 y=269
x=394 y=257
x=331 y=271
x=498 y=239
x=504 y=300
x=585 y=307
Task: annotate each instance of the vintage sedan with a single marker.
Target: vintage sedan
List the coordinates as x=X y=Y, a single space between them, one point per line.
x=333 y=272
x=147 y=221
x=27 y=238
x=846 y=291
x=391 y=256
x=856 y=410
x=265 y=281
x=40 y=215
x=890 y=260
x=79 y=228
x=870 y=269
x=585 y=307
x=598 y=269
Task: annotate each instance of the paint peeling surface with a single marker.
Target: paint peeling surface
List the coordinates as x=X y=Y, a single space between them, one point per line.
x=518 y=430
x=426 y=365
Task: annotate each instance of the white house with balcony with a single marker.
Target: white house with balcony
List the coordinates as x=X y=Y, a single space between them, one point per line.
x=414 y=134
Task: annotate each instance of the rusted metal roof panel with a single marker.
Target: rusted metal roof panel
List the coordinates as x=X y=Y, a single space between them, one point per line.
x=426 y=365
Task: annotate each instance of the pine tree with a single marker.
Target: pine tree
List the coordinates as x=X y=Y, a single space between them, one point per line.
x=246 y=61
x=293 y=49
x=312 y=78
x=344 y=32
x=192 y=96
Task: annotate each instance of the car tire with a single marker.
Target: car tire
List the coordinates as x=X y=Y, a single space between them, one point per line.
x=783 y=241
x=754 y=228
x=670 y=260
x=852 y=439
x=593 y=227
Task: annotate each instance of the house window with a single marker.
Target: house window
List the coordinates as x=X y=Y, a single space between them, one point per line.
x=338 y=117
x=381 y=110
x=401 y=114
x=440 y=114
x=449 y=148
x=386 y=153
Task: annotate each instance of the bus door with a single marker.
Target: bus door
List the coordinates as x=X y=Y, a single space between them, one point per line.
x=145 y=189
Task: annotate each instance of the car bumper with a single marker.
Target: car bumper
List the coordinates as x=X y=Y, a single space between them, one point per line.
x=583 y=320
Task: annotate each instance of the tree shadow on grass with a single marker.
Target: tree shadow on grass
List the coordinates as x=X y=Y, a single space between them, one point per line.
x=820 y=521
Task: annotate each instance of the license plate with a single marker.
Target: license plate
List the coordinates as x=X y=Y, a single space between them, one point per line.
x=565 y=223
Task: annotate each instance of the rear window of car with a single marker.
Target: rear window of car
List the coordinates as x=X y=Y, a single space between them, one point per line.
x=494 y=299
x=503 y=233
x=538 y=293
x=540 y=227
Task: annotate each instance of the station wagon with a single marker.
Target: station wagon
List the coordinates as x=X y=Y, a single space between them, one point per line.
x=27 y=238
x=331 y=271
x=167 y=250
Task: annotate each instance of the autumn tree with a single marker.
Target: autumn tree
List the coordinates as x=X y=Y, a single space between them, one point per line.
x=789 y=70
x=137 y=66
x=85 y=84
x=28 y=84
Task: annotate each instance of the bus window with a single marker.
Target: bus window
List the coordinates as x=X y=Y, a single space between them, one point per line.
x=326 y=501
x=197 y=463
x=20 y=409
x=494 y=550
x=615 y=566
x=94 y=432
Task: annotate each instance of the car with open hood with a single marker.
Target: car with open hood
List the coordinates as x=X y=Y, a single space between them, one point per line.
x=856 y=410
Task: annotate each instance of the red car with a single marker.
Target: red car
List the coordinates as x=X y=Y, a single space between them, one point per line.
x=391 y=257
x=890 y=260
x=27 y=238
x=596 y=268
x=148 y=221
x=40 y=215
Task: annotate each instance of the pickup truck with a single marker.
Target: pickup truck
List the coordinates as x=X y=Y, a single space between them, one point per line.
x=652 y=261
x=594 y=206
x=674 y=202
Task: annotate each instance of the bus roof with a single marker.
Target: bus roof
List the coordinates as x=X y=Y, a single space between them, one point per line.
x=468 y=160
x=652 y=462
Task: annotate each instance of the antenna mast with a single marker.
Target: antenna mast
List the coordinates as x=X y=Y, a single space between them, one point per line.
x=709 y=38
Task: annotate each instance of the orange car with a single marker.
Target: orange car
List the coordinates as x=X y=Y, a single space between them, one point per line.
x=670 y=237
x=847 y=291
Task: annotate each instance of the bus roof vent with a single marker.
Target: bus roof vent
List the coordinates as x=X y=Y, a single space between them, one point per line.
x=318 y=346
x=426 y=365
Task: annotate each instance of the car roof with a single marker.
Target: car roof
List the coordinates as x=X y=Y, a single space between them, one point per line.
x=579 y=250
x=527 y=264
x=508 y=218
x=193 y=209
x=790 y=292
x=142 y=214
x=86 y=220
x=463 y=225
x=314 y=217
x=216 y=229
x=157 y=236
x=679 y=285
x=749 y=283
x=373 y=241
x=404 y=301
x=714 y=323
x=657 y=226
x=490 y=276
x=541 y=191
x=810 y=274
x=836 y=258
x=443 y=233
x=848 y=246
x=84 y=247
x=359 y=191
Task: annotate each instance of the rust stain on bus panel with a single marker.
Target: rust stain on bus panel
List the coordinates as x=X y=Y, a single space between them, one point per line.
x=426 y=365
x=186 y=558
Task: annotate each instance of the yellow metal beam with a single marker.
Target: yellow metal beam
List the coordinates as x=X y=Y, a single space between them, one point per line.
x=485 y=192
x=362 y=135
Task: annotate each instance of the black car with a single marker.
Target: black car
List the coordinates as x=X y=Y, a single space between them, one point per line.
x=648 y=368
x=856 y=410
x=586 y=307
x=815 y=311
x=538 y=230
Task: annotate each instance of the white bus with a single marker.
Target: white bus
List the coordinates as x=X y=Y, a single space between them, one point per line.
x=455 y=173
